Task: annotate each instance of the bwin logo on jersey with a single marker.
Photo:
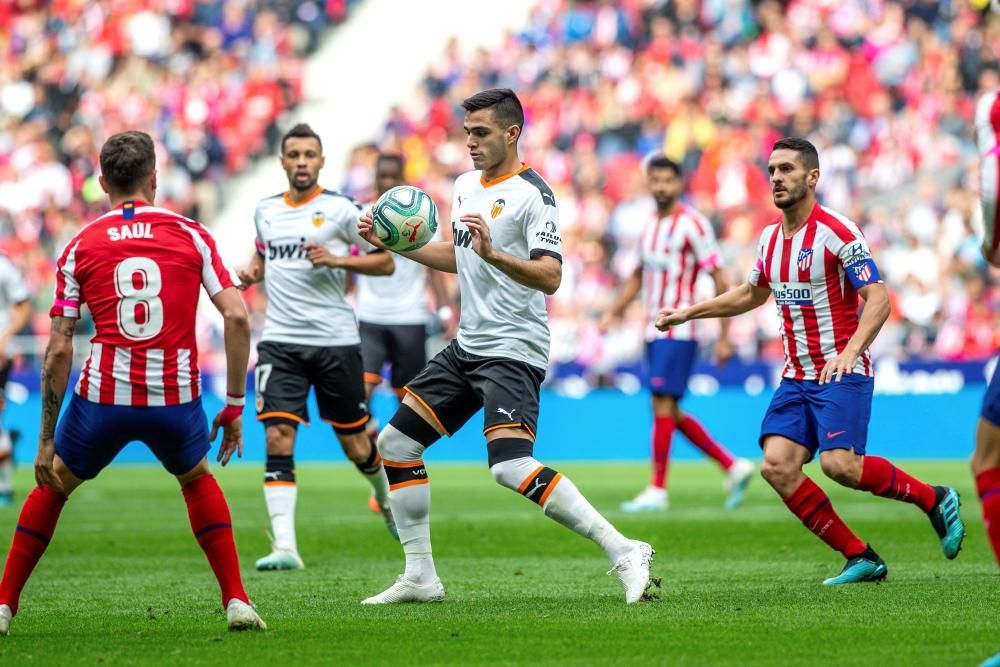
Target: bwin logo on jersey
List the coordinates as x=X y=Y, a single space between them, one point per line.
x=286 y=250
x=462 y=237
x=497 y=208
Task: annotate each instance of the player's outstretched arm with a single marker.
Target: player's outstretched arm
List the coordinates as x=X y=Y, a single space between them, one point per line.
x=438 y=255
x=630 y=290
x=236 y=332
x=736 y=301
x=874 y=314
x=375 y=263
x=55 y=377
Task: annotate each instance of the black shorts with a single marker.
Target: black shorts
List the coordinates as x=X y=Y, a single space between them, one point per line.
x=402 y=345
x=285 y=372
x=456 y=384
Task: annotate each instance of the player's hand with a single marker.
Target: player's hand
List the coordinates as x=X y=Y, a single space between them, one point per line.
x=838 y=366
x=606 y=323
x=670 y=317
x=249 y=276
x=366 y=231
x=482 y=241
x=45 y=474
x=232 y=433
x=319 y=255
x=723 y=351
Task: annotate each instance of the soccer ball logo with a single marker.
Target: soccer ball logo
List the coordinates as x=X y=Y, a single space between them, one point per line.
x=404 y=218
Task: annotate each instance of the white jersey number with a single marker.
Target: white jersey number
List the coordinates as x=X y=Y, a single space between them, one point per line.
x=140 y=309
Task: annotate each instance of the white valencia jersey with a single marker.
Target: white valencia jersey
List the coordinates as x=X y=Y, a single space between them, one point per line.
x=12 y=289
x=674 y=251
x=814 y=278
x=399 y=298
x=988 y=139
x=501 y=317
x=305 y=304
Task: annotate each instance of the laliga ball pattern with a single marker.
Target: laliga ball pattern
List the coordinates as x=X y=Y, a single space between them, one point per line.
x=404 y=218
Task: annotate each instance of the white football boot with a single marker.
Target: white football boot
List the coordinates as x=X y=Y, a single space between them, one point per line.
x=5 y=617
x=242 y=616
x=736 y=482
x=280 y=559
x=633 y=570
x=405 y=590
x=650 y=499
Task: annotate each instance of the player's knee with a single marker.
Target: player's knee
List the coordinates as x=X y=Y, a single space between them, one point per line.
x=842 y=466
x=778 y=472
x=986 y=455
x=279 y=440
x=512 y=473
x=357 y=447
x=406 y=436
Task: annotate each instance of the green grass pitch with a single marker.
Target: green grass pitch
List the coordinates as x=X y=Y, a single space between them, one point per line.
x=125 y=583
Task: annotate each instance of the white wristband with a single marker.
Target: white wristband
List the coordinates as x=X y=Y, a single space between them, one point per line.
x=238 y=401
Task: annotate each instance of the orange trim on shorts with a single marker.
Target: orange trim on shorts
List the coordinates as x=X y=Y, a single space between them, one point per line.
x=401 y=464
x=286 y=415
x=412 y=482
x=429 y=409
x=527 y=481
x=514 y=425
x=552 y=485
x=373 y=378
x=361 y=421
x=279 y=483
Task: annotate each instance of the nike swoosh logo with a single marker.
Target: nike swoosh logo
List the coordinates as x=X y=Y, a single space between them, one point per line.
x=831 y=436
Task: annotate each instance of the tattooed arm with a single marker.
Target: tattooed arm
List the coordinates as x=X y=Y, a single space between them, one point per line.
x=55 y=377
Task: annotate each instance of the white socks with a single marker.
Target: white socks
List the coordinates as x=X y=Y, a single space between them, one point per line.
x=562 y=502
x=411 y=507
x=280 y=498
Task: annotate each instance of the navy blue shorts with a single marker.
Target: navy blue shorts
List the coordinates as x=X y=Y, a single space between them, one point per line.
x=89 y=435
x=991 y=402
x=669 y=364
x=821 y=417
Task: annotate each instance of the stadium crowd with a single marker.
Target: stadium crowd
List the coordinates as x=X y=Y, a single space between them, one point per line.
x=210 y=80
x=885 y=89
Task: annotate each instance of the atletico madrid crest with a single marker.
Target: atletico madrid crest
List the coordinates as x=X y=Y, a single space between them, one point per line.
x=863 y=272
x=805 y=259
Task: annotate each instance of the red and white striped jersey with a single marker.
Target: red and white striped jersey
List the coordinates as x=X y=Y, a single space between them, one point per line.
x=815 y=277
x=139 y=269
x=673 y=252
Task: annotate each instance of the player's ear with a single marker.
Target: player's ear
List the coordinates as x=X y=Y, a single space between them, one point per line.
x=104 y=184
x=152 y=181
x=813 y=177
x=513 y=134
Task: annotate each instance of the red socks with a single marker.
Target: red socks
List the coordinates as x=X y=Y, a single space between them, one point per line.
x=881 y=478
x=213 y=529
x=34 y=530
x=699 y=437
x=663 y=432
x=812 y=506
x=988 y=485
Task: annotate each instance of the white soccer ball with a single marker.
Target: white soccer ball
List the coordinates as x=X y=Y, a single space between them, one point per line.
x=404 y=218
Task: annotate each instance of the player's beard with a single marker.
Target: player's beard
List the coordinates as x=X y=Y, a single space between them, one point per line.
x=793 y=195
x=664 y=203
x=303 y=186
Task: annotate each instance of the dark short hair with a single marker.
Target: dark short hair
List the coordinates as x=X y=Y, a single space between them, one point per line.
x=302 y=130
x=661 y=161
x=126 y=159
x=391 y=157
x=507 y=109
x=807 y=152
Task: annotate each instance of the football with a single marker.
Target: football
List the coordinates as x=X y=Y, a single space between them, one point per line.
x=404 y=218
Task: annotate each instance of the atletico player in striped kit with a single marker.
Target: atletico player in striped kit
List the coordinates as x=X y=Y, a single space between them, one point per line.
x=986 y=459
x=816 y=263
x=139 y=269
x=676 y=246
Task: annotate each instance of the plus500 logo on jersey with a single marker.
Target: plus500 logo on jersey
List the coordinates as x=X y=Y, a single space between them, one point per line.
x=792 y=294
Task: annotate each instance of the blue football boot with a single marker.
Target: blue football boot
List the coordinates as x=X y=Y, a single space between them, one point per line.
x=947 y=521
x=866 y=566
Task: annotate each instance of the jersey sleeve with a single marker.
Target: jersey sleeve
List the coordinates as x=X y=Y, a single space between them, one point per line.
x=542 y=228
x=859 y=265
x=349 y=227
x=258 y=219
x=67 y=297
x=13 y=283
x=758 y=275
x=215 y=275
x=704 y=244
